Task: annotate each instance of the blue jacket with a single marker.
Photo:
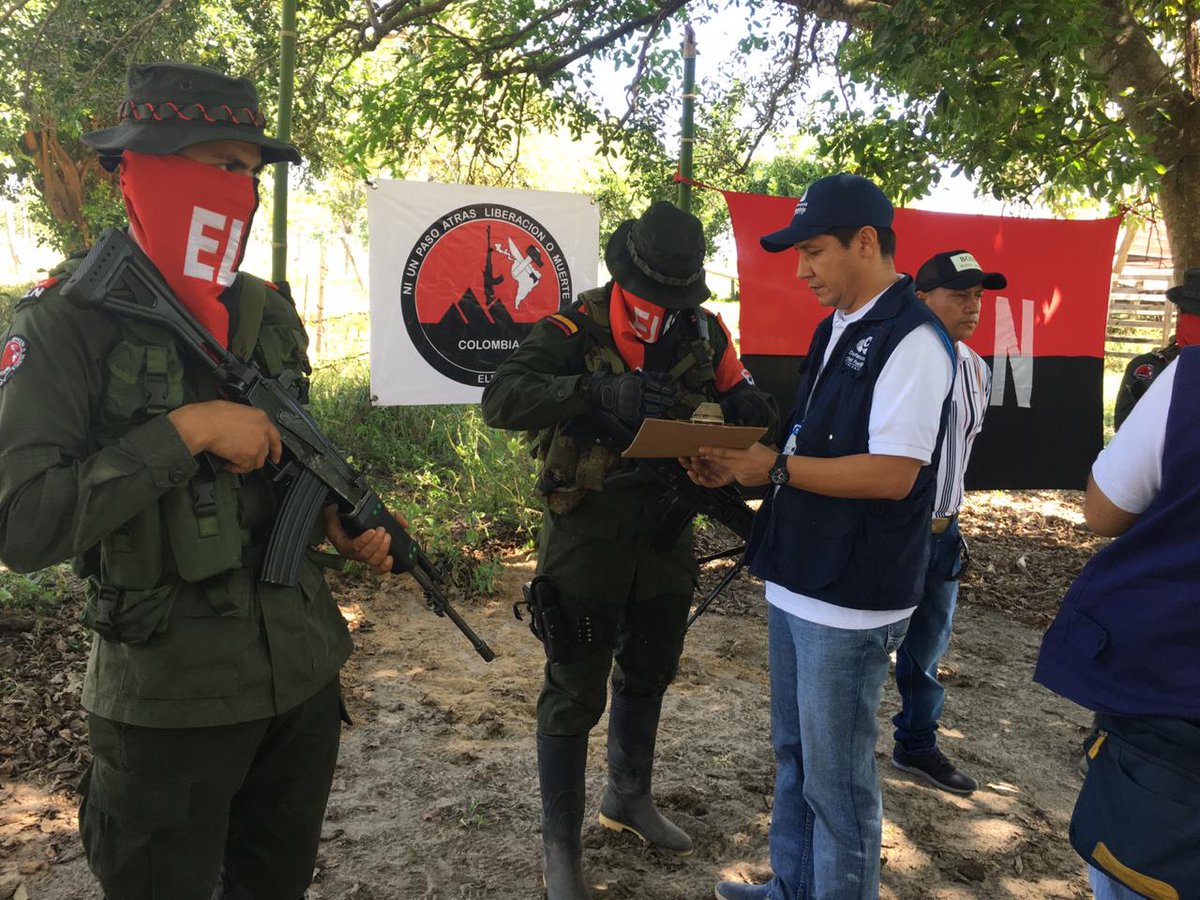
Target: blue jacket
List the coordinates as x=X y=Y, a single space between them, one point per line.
x=860 y=554
x=1127 y=639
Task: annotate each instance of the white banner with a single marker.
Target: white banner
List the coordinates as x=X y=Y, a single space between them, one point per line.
x=459 y=274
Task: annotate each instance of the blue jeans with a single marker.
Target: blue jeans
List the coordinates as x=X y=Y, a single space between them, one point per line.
x=921 y=694
x=1105 y=888
x=827 y=818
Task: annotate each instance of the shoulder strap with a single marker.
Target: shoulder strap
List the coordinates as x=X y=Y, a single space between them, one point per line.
x=251 y=303
x=595 y=304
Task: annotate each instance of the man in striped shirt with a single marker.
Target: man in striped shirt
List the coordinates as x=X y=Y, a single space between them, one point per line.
x=952 y=285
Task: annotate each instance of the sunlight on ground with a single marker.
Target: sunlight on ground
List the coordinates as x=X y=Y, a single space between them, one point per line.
x=896 y=845
x=993 y=835
x=1066 y=505
x=37 y=828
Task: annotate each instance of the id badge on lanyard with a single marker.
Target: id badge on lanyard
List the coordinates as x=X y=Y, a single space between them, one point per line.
x=789 y=446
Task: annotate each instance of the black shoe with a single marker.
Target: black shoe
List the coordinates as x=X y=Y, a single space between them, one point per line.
x=936 y=769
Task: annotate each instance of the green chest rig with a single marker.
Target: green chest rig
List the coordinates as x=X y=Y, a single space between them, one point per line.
x=202 y=528
x=573 y=457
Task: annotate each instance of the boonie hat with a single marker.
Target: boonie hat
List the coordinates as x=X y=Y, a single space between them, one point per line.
x=1187 y=295
x=956 y=270
x=169 y=106
x=835 y=201
x=660 y=257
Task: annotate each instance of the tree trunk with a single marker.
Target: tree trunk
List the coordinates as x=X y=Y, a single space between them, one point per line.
x=62 y=180
x=1179 y=197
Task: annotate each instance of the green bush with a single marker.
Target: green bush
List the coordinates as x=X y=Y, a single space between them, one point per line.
x=465 y=489
x=9 y=294
x=37 y=592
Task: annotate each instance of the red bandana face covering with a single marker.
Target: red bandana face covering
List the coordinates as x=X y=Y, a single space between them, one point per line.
x=635 y=322
x=1187 y=330
x=192 y=220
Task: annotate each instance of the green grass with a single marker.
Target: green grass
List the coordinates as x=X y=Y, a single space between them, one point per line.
x=38 y=592
x=465 y=488
x=9 y=294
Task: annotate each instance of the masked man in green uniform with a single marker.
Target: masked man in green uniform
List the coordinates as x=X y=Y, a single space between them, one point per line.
x=213 y=698
x=615 y=562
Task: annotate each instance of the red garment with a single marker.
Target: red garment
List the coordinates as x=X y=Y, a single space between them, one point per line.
x=1187 y=329
x=730 y=371
x=192 y=220
x=635 y=322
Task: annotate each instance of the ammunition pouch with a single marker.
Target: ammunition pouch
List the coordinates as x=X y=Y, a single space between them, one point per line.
x=570 y=465
x=567 y=633
x=127 y=616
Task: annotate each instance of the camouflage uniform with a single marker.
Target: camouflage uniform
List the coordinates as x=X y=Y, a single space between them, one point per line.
x=620 y=572
x=91 y=468
x=597 y=553
x=213 y=698
x=1139 y=375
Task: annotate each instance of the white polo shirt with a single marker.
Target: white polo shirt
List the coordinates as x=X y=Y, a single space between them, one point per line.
x=1129 y=469
x=906 y=409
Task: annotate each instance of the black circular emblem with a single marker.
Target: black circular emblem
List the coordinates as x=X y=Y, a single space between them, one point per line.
x=474 y=284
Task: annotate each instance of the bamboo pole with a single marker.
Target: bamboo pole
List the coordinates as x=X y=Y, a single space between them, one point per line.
x=687 y=128
x=283 y=131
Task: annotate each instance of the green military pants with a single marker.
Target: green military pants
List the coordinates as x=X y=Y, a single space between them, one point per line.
x=647 y=593
x=165 y=808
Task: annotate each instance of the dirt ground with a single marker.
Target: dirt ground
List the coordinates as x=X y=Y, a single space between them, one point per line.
x=435 y=795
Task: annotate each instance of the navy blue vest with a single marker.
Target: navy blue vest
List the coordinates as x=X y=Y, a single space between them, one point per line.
x=861 y=554
x=1127 y=639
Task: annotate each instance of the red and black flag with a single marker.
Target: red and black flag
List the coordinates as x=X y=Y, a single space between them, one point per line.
x=1043 y=335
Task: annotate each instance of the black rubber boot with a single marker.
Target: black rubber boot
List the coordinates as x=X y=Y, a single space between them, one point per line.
x=561 y=762
x=627 y=804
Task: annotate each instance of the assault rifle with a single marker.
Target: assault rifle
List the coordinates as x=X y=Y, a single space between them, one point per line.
x=316 y=472
x=683 y=498
x=683 y=501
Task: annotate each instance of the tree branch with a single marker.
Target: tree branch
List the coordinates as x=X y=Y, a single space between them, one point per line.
x=1141 y=84
x=857 y=13
x=547 y=68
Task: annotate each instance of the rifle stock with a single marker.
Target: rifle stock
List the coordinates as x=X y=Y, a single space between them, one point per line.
x=724 y=504
x=118 y=277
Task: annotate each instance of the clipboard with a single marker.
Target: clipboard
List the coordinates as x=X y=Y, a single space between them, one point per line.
x=668 y=438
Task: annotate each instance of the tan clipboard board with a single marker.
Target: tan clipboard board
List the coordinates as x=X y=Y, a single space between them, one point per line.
x=669 y=438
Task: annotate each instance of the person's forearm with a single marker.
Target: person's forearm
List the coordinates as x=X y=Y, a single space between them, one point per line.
x=53 y=508
x=864 y=476
x=525 y=400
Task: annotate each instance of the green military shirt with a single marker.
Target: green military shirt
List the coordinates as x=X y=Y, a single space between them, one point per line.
x=541 y=385
x=92 y=469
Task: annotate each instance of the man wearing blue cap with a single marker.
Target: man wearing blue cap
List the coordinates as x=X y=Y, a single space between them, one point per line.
x=842 y=538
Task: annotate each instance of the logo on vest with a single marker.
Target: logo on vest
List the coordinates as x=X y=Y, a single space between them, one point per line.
x=856 y=356
x=14 y=353
x=475 y=283
x=40 y=288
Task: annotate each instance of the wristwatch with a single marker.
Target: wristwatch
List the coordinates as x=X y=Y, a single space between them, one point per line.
x=779 y=472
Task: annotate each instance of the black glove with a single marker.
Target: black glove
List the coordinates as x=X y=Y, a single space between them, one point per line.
x=749 y=407
x=632 y=396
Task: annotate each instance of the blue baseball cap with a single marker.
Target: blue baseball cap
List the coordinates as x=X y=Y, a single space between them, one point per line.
x=835 y=201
